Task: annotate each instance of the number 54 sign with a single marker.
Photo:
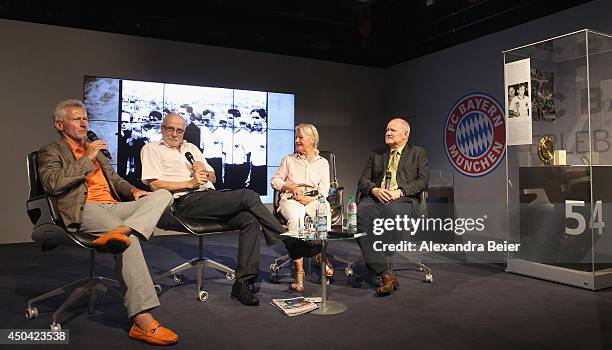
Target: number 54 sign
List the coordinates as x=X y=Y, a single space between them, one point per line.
x=596 y=221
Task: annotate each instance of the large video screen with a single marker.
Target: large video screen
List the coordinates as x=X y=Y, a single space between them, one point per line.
x=243 y=134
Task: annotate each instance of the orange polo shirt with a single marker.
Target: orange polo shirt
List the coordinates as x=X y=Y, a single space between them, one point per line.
x=97 y=186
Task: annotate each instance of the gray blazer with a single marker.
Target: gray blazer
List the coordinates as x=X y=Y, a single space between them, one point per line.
x=412 y=171
x=64 y=177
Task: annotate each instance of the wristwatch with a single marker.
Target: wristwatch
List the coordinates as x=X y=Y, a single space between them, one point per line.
x=402 y=191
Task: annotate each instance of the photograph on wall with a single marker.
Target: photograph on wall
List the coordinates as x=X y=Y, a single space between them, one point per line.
x=542 y=95
x=518 y=100
x=518 y=107
x=229 y=126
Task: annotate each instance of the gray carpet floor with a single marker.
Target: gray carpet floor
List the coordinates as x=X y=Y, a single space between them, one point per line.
x=469 y=306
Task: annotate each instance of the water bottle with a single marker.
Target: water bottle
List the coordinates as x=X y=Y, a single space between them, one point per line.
x=321 y=221
x=352 y=215
x=332 y=197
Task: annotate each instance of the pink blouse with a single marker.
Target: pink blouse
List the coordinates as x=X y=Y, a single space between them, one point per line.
x=297 y=169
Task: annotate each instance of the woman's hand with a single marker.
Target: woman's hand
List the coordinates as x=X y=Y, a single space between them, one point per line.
x=293 y=188
x=304 y=200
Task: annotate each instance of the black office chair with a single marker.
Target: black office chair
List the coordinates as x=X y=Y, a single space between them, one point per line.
x=50 y=231
x=421 y=210
x=336 y=218
x=172 y=221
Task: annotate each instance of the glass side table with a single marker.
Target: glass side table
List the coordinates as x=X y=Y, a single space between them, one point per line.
x=329 y=307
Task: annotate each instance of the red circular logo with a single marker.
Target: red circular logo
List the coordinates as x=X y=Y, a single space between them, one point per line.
x=475 y=135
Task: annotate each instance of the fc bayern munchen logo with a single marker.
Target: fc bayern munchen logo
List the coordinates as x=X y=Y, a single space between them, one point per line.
x=475 y=135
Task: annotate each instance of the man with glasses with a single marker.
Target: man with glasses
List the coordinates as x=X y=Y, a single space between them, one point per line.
x=165 y=166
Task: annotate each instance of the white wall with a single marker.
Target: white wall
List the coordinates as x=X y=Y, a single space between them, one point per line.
x=429 y=86
x=41 y=65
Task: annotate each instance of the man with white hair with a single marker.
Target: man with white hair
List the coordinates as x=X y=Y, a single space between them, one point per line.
x=391 y=182
x=92 y=198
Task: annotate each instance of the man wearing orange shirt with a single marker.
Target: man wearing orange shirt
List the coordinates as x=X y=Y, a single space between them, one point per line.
x=89 y=197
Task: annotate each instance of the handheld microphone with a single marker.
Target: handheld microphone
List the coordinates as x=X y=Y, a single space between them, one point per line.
x=91 y=136
x=387 y=180
x=311 y=193
x=190 y=158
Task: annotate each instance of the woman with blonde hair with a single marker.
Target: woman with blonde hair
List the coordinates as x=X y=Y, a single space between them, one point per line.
x=298 y=177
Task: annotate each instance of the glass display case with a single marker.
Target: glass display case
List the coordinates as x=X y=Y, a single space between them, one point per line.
x=559 y=182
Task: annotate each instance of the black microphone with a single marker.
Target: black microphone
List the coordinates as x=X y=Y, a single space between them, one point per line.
x=91 y=136
x=387 y=180
x=189 y=157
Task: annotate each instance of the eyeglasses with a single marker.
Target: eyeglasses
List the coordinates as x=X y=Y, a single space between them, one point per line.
x=171 y=130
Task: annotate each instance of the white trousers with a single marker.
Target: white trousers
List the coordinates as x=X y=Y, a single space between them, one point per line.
x=292 y=211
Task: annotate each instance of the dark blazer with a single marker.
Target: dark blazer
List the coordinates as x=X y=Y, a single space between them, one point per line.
x=64 y=177
x=412 y=171
x=192 y=134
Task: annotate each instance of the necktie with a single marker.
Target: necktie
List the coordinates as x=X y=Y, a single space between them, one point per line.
x=393 y=164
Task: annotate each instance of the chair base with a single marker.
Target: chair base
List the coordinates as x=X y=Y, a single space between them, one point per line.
x=283 y=261
x=423 y=268
x=201 y=264
x=420 y=266
x=277 y=265
x=80 y=288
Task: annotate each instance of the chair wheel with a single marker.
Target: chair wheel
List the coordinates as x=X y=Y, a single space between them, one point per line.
x=202 y=295
x=55 y=327
x=178 y=277
x=158 y=289
x=348 y=271
x=31 y=313
x=274 y=268
x=230 y=276
x=429 y=278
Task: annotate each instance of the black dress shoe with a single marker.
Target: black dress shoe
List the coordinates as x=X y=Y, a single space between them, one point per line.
x=378 y=281
x=243 y=292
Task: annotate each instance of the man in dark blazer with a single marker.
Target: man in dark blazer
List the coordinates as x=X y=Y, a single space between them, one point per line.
x=390 y=183
x=92 y=198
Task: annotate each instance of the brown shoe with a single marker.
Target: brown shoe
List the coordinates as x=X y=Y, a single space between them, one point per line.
x=112 y=242
x=389 y=284
x=155 y=334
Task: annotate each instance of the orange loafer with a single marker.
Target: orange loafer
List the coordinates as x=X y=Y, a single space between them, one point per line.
x=112 y=242
x=155 y=334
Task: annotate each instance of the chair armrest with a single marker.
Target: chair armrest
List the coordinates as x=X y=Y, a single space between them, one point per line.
x=340 y=194
x=421 y=206
x=423 y=196
x=358 y=196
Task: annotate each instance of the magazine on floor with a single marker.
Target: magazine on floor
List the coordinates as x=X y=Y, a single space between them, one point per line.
x=294 y=306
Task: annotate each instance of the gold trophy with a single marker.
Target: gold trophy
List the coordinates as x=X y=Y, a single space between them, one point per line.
x=546 y=149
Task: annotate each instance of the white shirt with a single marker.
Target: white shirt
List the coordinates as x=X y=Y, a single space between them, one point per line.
x=520 y=105
x=239 y=148
x=162 y=162
x=153 y=135
x=297 y=169
x=258 y=148
x=225 y=138
x=211 y=144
